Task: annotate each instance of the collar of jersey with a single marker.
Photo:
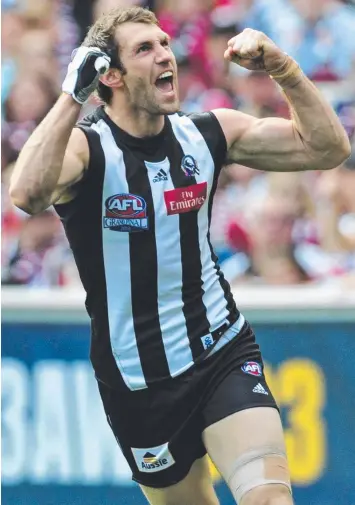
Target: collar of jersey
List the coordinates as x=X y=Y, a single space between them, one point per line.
x=147 y=145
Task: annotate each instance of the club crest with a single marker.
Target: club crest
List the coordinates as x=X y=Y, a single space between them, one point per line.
x=189 y=166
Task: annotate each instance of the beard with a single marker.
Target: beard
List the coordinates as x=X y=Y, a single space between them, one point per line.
x=143 y=98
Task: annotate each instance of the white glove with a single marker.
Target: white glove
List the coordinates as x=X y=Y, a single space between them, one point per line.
x=84 y=72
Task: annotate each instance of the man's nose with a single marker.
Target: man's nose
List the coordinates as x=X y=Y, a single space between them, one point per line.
x=162 y=55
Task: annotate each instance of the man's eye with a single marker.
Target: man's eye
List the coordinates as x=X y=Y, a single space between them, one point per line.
x=144 y=47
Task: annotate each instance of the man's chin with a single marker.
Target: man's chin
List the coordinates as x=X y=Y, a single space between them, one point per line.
x=167 y=108
x=171 y=108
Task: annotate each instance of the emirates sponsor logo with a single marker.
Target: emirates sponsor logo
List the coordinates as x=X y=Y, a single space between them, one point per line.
x=188 y=199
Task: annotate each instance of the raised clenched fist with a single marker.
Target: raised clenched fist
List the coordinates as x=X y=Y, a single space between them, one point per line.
x=253 y=50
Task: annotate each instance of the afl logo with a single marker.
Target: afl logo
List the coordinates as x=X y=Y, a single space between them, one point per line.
x=125 y=205
x=189 y=166
x=125 y=212
x=252 y=368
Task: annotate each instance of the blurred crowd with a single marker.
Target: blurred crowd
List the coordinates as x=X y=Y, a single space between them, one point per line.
x=273 y=228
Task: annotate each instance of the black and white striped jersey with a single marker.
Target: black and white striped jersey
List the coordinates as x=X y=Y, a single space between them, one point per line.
x=139 y=231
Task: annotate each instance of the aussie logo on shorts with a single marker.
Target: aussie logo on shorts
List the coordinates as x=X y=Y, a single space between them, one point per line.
x=252 y=368
x=125 y=212
x=153 y=459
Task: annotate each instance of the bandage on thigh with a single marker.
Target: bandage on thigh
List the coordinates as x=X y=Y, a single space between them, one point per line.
x=258 y=468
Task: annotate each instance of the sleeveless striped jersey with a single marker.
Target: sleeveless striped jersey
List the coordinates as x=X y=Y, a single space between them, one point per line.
x=139 y=232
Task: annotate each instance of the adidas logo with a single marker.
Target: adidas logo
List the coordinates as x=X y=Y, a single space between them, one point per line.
x=161 y=176
x=259 y=389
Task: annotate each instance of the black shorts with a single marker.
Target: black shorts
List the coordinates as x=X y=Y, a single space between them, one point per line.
x=159 y=429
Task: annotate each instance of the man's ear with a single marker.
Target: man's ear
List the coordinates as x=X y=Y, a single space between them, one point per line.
x=112 y=78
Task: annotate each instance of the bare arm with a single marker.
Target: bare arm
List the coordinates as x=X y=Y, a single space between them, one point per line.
x=312 y=139
x=56 y=154
x=52 y=160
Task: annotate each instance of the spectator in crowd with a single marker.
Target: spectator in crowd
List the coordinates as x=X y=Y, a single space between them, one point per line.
x=272 y=252
x=265 y=230
x=37 y=258
x=12 y=29
x=22 y=112
x=312 y=32
x=188 y=24
x=322 y=49
x=336 y=200
x=336 y=216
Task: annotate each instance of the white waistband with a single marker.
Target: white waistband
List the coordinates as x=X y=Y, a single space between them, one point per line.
x=231 y=333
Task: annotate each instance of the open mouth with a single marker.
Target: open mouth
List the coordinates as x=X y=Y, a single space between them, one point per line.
x=165 y=82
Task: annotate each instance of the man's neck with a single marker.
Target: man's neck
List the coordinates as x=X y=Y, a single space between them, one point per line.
x=139 y=124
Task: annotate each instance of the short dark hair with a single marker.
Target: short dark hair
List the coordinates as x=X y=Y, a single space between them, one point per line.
x=102 y=35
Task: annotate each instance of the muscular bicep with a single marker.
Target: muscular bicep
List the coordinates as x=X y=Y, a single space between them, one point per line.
x=265 y=144
x=75 y=163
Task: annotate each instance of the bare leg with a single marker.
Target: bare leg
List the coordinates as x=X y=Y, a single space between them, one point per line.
x=195 y=489
x=247 y=448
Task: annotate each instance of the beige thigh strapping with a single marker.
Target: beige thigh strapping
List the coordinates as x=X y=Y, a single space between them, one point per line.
x=257 y=468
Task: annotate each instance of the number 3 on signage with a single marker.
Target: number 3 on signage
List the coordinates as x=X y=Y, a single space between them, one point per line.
x=299 y=385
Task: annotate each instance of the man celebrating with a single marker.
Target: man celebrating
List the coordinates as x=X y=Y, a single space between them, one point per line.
x=178 y=368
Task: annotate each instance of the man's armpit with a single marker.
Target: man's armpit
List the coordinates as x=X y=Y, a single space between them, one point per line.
x=64 y=196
